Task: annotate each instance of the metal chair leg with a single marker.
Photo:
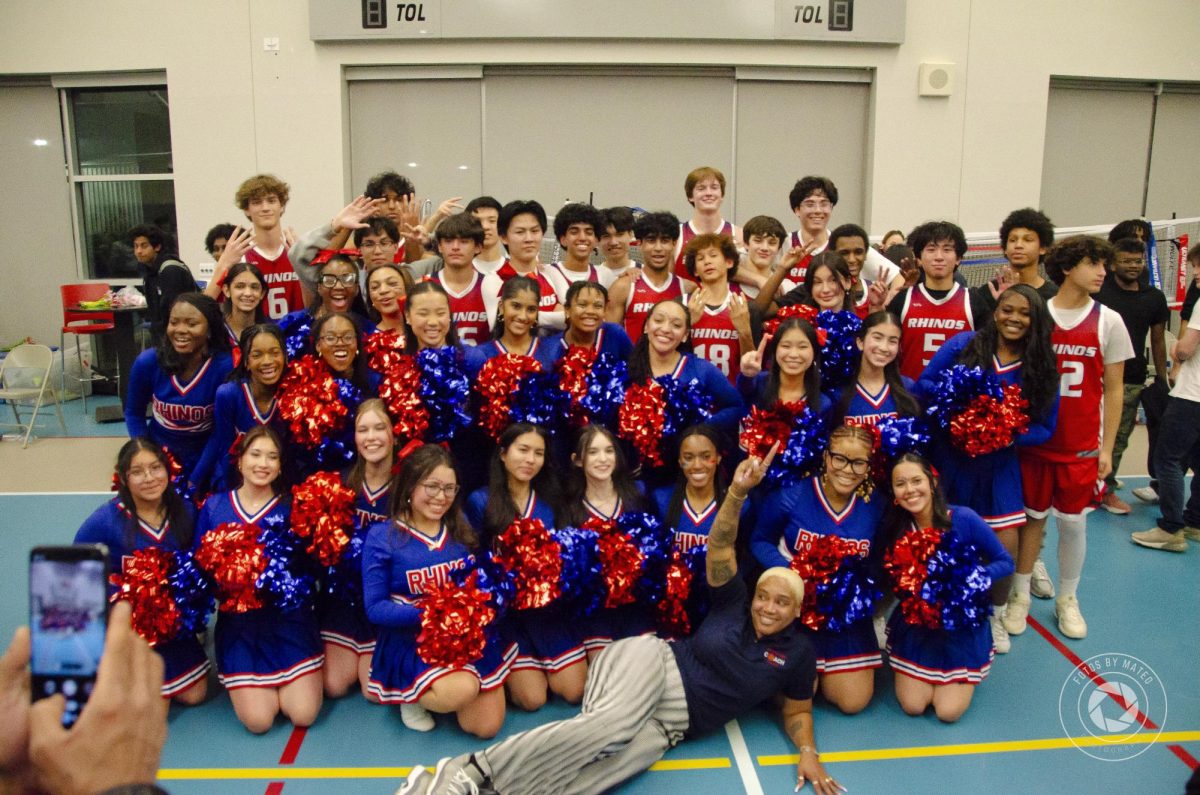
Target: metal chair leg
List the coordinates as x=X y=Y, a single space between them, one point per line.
x=82 y=391
x=62 y=355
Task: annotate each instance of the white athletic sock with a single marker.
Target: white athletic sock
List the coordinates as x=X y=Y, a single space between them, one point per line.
x=1020 y=584
x=1072 y=548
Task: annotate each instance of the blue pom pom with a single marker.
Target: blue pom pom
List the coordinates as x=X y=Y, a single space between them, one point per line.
x=285 y=579
x=583 y=589
x=492 y=579
x=192 y=593
x=900 y=435
x=606 y=383
x=540 y=400
x=849 y=596
x=297 y=334
x=955 y=388
x=839 y=354
x=801 y=456
x=444 y=391
x=343 y=580
x=653 y=539
x=687 y=404
x=959 y=583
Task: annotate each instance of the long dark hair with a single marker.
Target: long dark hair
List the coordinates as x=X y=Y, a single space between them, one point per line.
x=897 y=520
x=836 y=264
x=218 y=342
x=812 y=376
x=237 y=270
x=246 y=341
x=253 y=435
x=576 y=485
x=1039 y=365
x=357 y=472
x=639 y=358
x=906 y=404
x=501 y=509
x=178 y=517
x=511 y=287
x=411 y=345
x=415 y=468
x=679 y=494
x=358 y=375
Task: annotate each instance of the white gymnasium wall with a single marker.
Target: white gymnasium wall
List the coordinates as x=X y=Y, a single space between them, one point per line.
x=236 y=109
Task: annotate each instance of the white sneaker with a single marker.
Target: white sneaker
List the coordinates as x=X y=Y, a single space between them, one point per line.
x=1191 y=533
x=1041 y=586
x=416 y=717
x=1070 y=620
x=1016 y=613
x=999 y=633
x=1120 y=484
x=1146 y=494
x=417 y=783
x=1157 y=538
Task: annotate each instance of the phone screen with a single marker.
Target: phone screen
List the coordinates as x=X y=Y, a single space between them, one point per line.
x=68 y=611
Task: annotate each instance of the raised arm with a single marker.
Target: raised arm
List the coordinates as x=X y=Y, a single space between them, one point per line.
x=721 y=560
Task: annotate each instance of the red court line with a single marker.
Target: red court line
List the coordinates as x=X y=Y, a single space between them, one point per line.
x=1095 y=677
x=292 y=749
x=274 y=788
x=1182 y=753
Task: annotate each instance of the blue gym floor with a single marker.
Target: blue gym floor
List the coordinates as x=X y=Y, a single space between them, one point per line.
x=1137 y=602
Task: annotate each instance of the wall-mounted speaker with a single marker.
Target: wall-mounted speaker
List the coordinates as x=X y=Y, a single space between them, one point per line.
x=935 y=79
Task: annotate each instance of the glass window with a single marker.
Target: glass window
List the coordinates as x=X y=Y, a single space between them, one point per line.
x=119 y=143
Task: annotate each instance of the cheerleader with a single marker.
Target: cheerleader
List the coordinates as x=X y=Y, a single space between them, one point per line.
x=550 y=652
x=348 y=635
x=337 y=293
x=420 y=546
x=938 y=666
x=835 y=503
x=584 y=308
x=794 y=377
x=878 y=392
x=178 y=381
x=387 y=289
x=599 y=486
x=515 y=330
x=427 y=320
x=662 y=350
x=690 y=505
x=268 y=656
x=148 y=513
x=1016 y=347
x=246 y=400
x=243 y=291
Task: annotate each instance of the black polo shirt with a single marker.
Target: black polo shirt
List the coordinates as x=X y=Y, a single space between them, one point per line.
x=1140 y=309
x=727 y=670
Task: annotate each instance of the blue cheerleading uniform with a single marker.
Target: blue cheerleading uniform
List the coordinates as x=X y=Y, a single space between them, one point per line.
x=866 y=409
x=399 y=565
x=610 y=338
x=692 y=528
x=546 y=638
x=235 y=412
x=787 y=526
x=266 y=646
x=475 y=358
x=753 y=394
x=961 y=656
x=184 y=660
x=340 y=612
x=988 y=484
x=727 y=408
x=181 y=416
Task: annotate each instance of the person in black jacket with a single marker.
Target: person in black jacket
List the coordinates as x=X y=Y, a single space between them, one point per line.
x=164 y=276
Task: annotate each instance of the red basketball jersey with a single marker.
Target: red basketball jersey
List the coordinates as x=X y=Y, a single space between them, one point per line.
x=284 y=293
x=862 y=304
x=800 y=269
x=1080 y=353
x=926 y=323
x=686 y=233
x=467 y=310
x=714 y=338
x=549 y=296
x=644 y=295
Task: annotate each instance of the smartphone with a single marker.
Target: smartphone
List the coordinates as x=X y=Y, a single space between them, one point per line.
x=68 y=619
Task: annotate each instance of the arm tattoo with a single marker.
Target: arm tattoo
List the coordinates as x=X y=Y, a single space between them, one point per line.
x=724 y=531
x=720 y=572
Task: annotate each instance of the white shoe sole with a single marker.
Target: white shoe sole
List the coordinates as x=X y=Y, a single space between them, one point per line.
x=414 y=781
x=1165 y=546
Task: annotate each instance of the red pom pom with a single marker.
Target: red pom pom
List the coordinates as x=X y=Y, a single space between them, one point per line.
x=816 y=565
x=987 y=425
x=527 y=550
x=640 y=420
x=673 y=618
x=497 y=381
x=233 y=556
x=383 y=348
x=400 y=390
x=142 y=582
x=767 y=427
x=907 y=564
x=453 y=622
x=573 y=369
x=323 y=513
x=802 y=311
x=620 y=559
x=309 y=401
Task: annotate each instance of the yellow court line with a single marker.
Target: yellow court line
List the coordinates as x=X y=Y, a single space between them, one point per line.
x=284 y=773
x=1049 y=744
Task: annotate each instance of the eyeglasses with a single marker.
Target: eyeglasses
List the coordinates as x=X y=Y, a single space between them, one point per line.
x=858 y=466
x=447 y=490
x=816 y=204
x=333 y=280
x=382 y=244
x=348 y=338
x=149 y=473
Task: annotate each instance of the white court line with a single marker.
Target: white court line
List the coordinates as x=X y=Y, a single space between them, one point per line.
x=741 y=755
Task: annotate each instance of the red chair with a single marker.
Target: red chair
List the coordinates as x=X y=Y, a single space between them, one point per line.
x=79 y=322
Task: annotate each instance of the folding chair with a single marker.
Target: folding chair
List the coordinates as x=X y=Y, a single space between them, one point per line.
x=77 y=322
x=35 y=360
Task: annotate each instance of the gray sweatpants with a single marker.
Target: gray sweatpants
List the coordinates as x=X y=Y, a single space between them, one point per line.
x=634 y=709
